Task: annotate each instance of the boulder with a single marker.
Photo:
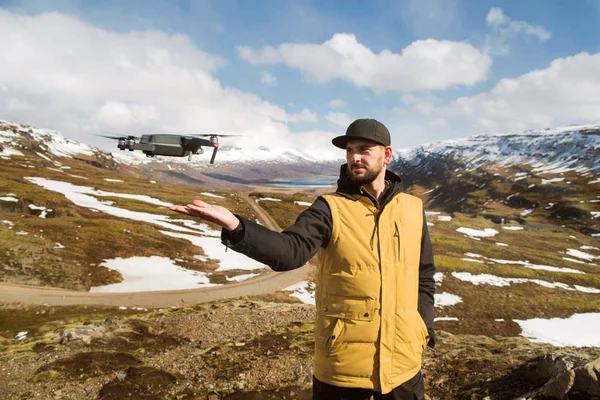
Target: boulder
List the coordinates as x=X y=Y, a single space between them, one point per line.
x=587 y=378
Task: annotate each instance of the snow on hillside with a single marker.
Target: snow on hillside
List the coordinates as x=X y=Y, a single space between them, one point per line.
x=50 y=141
x=555 y=150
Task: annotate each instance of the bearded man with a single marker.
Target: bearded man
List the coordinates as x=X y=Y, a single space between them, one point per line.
x=374 y=286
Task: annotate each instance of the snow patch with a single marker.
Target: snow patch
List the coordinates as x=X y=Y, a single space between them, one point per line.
x=302 y=290
x=559 y=331
x=446 y=299
x=147 y=274
x=487 y=232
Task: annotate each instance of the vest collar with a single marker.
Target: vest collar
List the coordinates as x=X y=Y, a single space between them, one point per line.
x=352 y=191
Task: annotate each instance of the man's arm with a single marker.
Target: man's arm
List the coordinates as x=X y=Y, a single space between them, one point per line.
x=427 y=283
x=283 y=251
x=289 y=249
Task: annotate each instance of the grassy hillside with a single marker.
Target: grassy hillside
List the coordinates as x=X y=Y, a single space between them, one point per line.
x=65 y=247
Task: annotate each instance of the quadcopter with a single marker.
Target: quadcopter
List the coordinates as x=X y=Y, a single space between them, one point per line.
x=169 y=144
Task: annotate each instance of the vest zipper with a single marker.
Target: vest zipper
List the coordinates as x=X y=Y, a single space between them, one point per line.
x=376 y=214
x=375 y=228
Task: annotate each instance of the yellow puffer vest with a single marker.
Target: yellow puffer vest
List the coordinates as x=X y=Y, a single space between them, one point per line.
x=368 y=332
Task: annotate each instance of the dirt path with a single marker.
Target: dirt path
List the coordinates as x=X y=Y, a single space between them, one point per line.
x=266 y=283
x=264 y=216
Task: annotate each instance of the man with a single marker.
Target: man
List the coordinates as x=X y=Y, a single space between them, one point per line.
x=374 y=286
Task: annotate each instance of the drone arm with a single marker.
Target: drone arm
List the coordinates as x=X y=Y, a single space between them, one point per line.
x=214 y=154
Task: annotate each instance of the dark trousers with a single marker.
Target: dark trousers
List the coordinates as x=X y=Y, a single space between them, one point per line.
x=413 y=389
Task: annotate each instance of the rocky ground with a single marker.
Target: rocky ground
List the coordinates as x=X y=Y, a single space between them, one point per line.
x=250 y=349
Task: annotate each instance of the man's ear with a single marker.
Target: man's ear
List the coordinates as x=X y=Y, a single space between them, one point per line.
x=387 y=158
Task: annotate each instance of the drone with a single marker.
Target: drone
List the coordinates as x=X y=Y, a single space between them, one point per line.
x=169 y=144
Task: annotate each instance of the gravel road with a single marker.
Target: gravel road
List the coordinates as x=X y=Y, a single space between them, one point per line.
x=265 y=283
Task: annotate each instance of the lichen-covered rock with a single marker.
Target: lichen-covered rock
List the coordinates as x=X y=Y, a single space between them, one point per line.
x=83 y=333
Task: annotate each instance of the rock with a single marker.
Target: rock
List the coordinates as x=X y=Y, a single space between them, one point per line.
x=83 y=333
x=121 y=376
x=587 y=378
x=112 y=322
x=561 y=382
x=545 y=367
x=239 y=385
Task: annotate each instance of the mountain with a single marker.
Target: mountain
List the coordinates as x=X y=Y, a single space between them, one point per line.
x=552 y=174
x=549 y=151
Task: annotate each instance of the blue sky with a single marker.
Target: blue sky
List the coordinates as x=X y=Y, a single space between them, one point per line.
x=295 y=73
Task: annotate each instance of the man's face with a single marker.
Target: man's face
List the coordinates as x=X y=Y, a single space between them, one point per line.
x=366 y=160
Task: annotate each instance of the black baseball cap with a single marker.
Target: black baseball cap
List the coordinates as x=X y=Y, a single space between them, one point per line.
x=364 y=129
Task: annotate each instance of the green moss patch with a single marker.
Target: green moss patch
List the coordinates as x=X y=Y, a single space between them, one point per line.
x=38 y=320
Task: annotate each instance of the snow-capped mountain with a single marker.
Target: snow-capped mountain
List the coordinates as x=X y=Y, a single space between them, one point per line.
x=231 y=154
x=556 y=150
x=16 y=137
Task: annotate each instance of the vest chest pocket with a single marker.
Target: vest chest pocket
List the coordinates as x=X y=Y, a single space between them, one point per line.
x=350 y=309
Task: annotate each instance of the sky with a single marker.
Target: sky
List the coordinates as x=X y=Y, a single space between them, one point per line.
x=295 y=74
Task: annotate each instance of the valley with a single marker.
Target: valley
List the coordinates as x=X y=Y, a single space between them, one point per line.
x=516 y=242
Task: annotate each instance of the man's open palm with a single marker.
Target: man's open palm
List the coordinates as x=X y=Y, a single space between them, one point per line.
x=209 y=212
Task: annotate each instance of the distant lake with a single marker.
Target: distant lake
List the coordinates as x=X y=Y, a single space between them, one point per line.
x=304 y=182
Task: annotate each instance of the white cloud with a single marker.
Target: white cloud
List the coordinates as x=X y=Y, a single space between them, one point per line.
x=505 y=28
x=340 y=119
x=81 y=79
x=497 y=19
x=304 y=116
x=337 y=103
x=564 y=93
x=268 y=79
x=423 y=65
x=423 y=102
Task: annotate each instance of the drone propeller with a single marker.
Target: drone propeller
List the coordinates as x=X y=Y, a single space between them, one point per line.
x=118 y=137
x=216 y=135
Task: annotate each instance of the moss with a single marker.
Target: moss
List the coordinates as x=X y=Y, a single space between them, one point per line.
x=38 y=320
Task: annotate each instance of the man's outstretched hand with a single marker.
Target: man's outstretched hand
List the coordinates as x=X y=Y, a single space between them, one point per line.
x=209 y=212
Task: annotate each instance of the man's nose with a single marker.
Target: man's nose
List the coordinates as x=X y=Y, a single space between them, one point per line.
x=355 y=158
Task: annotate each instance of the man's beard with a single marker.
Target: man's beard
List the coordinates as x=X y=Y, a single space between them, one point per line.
x=365 y=179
